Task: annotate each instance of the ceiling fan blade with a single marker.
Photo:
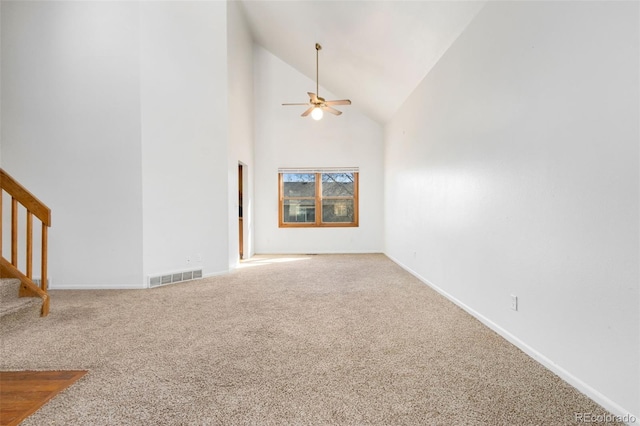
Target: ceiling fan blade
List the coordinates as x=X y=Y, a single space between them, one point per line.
x=339 y=102
x=313 y=97
x=307 y=112
x=306 y=103
x=331 y=110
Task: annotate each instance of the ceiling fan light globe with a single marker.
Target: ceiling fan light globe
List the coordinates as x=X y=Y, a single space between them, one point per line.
x=316 y=114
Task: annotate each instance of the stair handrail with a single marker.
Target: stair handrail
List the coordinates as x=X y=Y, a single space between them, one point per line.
x=34 y=207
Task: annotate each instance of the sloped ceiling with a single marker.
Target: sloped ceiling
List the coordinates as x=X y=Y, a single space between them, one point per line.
x=373 y=52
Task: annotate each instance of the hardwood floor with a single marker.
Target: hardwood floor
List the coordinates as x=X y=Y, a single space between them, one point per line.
x=23 y=392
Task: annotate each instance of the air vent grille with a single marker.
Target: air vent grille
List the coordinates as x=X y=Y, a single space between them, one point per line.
x=38 y=282
x=175 y=277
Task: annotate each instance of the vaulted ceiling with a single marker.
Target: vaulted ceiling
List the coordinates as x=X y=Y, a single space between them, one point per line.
x=373 y=52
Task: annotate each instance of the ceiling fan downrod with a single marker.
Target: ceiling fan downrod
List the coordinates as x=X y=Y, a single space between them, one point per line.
x=318 y=47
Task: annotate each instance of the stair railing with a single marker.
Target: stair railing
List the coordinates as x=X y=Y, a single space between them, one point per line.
x=9 y=268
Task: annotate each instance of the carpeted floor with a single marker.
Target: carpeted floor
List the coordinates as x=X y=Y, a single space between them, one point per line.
x=318 y=340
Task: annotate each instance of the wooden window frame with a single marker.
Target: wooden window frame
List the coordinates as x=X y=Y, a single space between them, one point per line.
x=318 y=203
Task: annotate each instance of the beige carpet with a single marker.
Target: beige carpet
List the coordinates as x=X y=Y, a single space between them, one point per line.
x=319 y=340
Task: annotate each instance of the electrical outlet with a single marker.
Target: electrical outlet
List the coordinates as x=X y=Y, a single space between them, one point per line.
x=514 y=302
x=199 y=257
x=188 y=260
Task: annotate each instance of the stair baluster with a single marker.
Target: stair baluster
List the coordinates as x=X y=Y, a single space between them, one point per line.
x=34 y=207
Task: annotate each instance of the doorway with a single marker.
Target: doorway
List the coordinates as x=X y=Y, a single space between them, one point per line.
x=240 y=214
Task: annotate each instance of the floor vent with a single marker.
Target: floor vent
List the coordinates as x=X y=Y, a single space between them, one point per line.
x=38 y=282
x=176 y=277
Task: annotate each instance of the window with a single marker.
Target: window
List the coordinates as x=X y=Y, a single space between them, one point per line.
x=318 y=197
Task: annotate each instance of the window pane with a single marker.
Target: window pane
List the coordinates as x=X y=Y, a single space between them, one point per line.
x=337 y=211
x=299 y=211
x=299 y=184
x=337 y=184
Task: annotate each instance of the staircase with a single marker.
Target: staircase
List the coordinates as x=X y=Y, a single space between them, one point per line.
x=20 y=296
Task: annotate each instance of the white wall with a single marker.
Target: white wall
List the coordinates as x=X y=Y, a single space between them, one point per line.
x=0 y=87
x=115 y=114
x=183 y=61
x=71 y=132
x=284 y=139
x=513 y=169
x=240 y=62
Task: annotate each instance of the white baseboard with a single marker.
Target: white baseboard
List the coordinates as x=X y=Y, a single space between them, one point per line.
x=308 y=253
x=215 y=274
x=97 y=287
x=574 y=381
x=58 y=286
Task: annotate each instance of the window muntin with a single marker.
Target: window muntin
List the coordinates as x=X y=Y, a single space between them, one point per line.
x=324 y=198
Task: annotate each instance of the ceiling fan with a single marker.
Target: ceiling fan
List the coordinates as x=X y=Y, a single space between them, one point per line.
x=318 y=104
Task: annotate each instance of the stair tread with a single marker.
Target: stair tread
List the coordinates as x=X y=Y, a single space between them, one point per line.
x=9 y=288
x=13 y=308
x=10 y=302
x=12 y=305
